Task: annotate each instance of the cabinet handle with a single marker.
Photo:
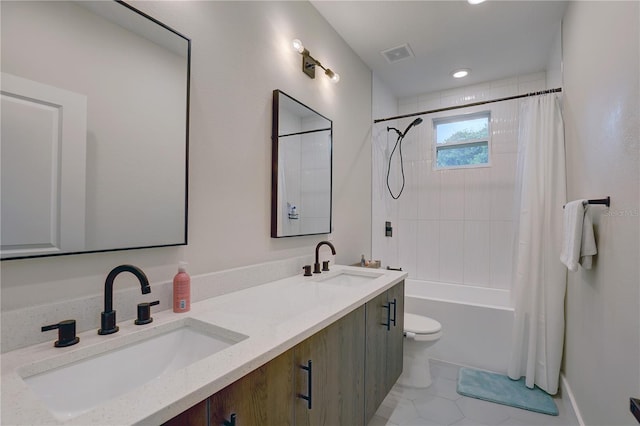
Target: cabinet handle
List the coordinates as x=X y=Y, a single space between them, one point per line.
x=307 y=397
x=231 y=422
x=388 y=323
x=395 y=310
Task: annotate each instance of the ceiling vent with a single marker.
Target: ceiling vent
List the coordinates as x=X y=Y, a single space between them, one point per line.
x=396 y=54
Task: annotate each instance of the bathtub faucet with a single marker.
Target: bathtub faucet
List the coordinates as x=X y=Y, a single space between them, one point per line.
x=316 y=266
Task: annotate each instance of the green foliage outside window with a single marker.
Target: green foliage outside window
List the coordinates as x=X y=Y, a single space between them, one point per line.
x=476 y=152
x=465 y=155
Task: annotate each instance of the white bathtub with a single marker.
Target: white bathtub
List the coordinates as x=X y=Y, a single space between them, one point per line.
x=476 y=322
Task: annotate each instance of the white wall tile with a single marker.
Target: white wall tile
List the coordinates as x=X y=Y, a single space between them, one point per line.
x=477 y=92
x=408 y=201
x=408 y=105
x=532 y=86
x=505 y=82
x=501 y=253
x=425 y=134
x=504 y=126
x=412 y=142
x=384 y=248
x=452 y=225
x=406 y=233
x=428 y=192
x=429 y=101
x=451 y=251
x=477 y=242
x=536 y=76
x=452 y=194
x=502 y=186
x=477 y=193
x=428 y=250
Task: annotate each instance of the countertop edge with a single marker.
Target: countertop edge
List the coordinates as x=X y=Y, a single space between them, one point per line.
x=173 y=400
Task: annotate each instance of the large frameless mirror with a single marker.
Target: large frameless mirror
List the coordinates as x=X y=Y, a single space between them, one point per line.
x=95 y=115
x=301 y=169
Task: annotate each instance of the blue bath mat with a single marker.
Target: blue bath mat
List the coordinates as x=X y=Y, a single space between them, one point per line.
x=501 y=389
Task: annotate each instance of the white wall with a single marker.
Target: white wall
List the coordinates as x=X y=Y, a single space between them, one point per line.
x=452 y=226
x=554 y=62
x=601 y=110
x=240 y=52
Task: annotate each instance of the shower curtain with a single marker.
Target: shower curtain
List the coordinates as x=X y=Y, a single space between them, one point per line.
x=539 y=278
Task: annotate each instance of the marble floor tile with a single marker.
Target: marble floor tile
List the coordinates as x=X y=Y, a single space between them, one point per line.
x=441 y=405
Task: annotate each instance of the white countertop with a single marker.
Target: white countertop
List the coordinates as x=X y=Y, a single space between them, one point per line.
x=275 y=316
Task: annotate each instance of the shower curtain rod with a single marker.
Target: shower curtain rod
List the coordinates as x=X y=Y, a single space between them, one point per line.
x=542 y=92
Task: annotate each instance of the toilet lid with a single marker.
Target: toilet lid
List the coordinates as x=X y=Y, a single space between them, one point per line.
x=420 y=325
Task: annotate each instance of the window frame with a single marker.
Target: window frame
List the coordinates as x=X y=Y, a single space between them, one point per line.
x=472 y=142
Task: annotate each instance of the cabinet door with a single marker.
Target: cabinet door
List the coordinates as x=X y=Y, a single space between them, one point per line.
x=375 y=354
x=395 y=336
x=335 y=383
x=384 y=344
x=262 y=397
x=194 y=416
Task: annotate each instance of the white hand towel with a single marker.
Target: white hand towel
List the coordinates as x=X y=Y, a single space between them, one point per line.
x=572 y=234
x=588 y=245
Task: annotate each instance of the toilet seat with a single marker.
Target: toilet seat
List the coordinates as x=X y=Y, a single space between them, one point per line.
x=421 y=328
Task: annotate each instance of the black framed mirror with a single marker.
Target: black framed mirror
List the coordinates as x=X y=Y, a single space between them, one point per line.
x=95 y=120
x=301 y=169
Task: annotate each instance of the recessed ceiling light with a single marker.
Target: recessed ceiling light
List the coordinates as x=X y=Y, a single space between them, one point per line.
x=461 y=73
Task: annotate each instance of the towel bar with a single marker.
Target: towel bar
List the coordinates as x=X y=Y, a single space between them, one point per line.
x=605 y=201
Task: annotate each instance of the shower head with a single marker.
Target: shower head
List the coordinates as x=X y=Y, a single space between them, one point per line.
x=403 y=134
x=413 y=123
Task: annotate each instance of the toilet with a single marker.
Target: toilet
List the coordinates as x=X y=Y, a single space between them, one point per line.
x=420 y=333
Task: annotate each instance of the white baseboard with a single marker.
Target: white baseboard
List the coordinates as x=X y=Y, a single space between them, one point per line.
x=569 y=398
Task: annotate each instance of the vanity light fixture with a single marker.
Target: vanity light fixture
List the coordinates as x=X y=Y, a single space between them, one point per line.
x=460 y=73
x=475 y=1
x=309 y=63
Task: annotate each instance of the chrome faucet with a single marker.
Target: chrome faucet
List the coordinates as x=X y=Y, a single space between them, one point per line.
x=316 y=266
x=108 y=317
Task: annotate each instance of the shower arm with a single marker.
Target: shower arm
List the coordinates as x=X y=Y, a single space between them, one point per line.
x=396 y=130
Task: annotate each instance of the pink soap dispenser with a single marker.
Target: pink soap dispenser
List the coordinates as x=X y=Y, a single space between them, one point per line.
x=182 y=289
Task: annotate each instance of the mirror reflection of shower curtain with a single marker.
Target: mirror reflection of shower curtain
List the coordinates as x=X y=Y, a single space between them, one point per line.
x=539 y=278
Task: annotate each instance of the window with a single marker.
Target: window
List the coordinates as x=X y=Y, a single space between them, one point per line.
x=462 y=141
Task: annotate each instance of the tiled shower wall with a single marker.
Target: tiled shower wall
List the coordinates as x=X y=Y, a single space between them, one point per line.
x=452 y=226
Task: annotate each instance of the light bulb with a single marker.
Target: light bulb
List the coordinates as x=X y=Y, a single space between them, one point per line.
x=333 y=76
x=298 y=46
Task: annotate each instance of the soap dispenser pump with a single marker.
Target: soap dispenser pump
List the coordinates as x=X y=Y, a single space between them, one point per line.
x=182 y=289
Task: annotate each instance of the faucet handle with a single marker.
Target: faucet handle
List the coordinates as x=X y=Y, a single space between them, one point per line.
x=307 y=270
x=66 y=333
x=144 y=312
x=325 y=265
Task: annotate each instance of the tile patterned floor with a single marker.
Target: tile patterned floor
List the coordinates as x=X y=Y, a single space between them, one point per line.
x=441 y=405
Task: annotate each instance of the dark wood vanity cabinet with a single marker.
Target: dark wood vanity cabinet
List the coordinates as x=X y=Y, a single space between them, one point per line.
x=384 y=334
x=262 y=397
x=337 y=385
x=194 y=416
x=345 y=369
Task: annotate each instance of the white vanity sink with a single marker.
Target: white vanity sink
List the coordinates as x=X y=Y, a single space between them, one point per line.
x=349 y=278
x=72 y=389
